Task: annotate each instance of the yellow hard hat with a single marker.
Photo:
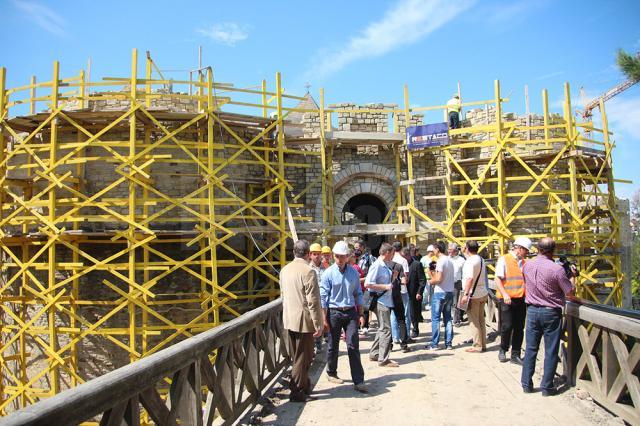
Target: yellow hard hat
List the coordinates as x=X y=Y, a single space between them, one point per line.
x=315 y=247
x=326 y=250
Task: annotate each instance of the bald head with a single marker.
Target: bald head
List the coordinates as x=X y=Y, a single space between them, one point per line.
x=546 y=246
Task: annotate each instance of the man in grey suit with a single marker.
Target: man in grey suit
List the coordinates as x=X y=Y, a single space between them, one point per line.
x=302 y=317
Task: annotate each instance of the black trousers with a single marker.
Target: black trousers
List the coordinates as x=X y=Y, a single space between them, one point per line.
x=398 y=311
x=457 y=314
x=416 y=313
x=512 y=318
x=347 y=321
x=454 y=120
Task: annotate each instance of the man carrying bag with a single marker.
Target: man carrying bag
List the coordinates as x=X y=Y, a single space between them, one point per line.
x=474 y=296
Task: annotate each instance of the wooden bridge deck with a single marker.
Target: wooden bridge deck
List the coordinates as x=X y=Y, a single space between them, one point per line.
x=447 y=387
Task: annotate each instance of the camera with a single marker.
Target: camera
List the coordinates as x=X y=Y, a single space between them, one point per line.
x=566 y=265
x=432 y=265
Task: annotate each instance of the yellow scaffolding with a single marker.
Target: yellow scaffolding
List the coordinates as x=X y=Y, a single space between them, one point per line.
x=501 y=178
x=496 y=173
x=132 y=217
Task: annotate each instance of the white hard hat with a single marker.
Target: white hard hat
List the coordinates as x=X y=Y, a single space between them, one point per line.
x=430 y=248
x=340 y=247
x=523 y=242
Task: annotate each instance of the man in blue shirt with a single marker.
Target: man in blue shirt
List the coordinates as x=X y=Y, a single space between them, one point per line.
x=379 y=279
x=341 y=300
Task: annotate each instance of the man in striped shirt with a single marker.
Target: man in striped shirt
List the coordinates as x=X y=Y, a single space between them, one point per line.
x=547 y=286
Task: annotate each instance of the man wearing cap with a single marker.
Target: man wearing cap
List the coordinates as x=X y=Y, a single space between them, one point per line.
x=315 y=259
x=453 y=108
x=326 y=257
x=315 y=262
x=510 y=293
x=301 y=317
x=340 y=293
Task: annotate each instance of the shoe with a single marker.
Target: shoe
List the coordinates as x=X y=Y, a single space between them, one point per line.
x=335 y=379
x=405 y=349
x=360 y=387
x=301 y=398
x=414 y=335
x=388 y=363
x=549 y=392
x=502 y=356
x=515 y=359
x=373 y=359
x=432 y=348
x=468 y=341
x=527 y=390
x=410 y=341
x=456 y=324
x=396 y=342
x=450 y=348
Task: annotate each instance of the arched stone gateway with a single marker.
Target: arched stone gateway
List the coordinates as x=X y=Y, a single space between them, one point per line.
x=364 y=178
x=367 y=208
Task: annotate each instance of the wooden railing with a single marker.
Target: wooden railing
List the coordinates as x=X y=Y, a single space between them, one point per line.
x=214 y=375
x=603 y=356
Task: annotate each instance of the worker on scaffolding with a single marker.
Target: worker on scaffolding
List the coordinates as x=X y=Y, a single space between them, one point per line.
x=453 y=111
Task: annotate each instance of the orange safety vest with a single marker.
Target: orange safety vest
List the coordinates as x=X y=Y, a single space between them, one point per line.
x=514 y=281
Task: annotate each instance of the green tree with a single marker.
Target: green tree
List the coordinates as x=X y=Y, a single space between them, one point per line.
x=634 y=214
x=630 y=65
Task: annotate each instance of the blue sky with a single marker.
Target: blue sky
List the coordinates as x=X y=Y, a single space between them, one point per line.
x=358 y=51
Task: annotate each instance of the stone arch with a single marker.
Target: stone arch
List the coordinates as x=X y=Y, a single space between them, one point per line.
x=363 y=170
x=363 y=178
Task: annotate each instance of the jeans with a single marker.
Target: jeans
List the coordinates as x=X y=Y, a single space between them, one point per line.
x=512 y=319
x=381 y=346
x=347 y=321
x=395 y=330
x=441 y=305
x=541 y=322
x=454 y=120
x=427 y=295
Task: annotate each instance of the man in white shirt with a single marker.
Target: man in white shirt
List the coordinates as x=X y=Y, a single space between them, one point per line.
x=442 y=279
x=458 y=261
x=474 y=279
x=399 y=257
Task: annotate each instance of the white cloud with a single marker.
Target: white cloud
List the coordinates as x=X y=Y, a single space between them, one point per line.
x=405 y=23
x=42 y=16
x=508 y=12
x=550 y=75
x=228 y=33
x=624 y=116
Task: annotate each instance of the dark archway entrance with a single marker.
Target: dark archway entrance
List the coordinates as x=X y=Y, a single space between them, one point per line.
x=367 y=208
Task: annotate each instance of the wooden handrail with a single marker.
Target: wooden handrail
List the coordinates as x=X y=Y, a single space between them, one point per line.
x=603 y=355
x=237 y=346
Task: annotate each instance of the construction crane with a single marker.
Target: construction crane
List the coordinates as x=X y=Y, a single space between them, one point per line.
x=586 y=113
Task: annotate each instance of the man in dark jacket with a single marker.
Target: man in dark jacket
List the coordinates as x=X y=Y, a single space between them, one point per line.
x=398 y=306
x=415 y=286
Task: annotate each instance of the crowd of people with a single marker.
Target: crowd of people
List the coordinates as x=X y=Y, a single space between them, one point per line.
x=331 y=294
